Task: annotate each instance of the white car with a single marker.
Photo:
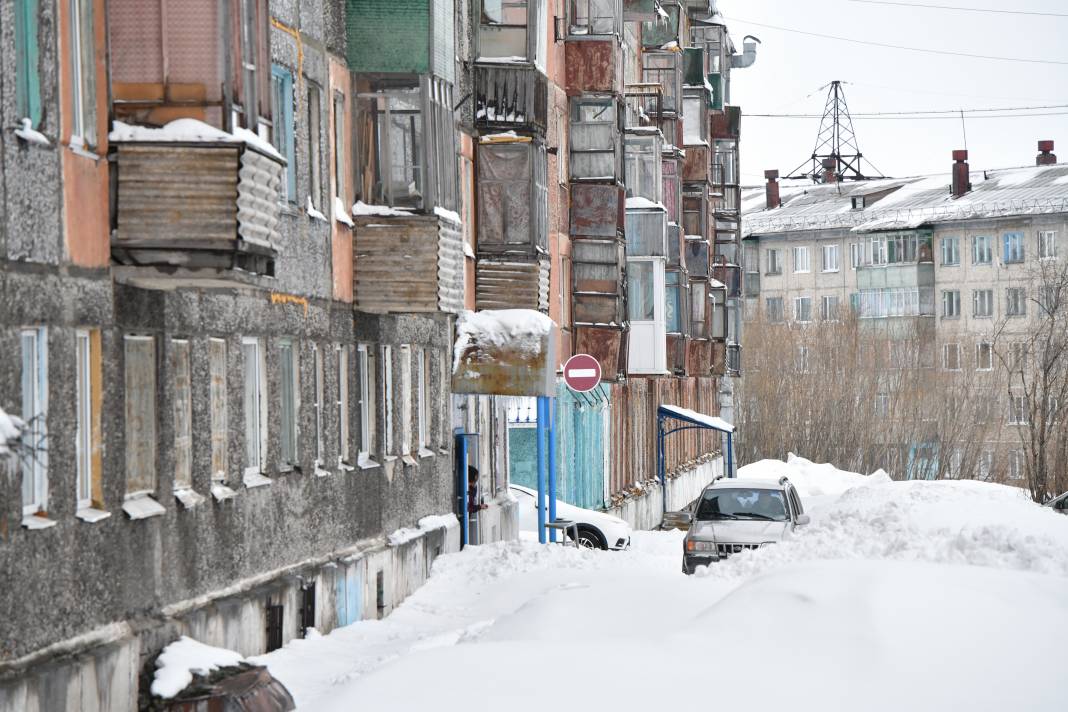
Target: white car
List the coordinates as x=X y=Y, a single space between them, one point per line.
x=596 y=530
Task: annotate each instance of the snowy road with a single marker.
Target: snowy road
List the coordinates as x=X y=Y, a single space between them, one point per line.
x=917 y=596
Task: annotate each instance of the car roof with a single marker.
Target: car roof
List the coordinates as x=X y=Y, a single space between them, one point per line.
x=732 y=483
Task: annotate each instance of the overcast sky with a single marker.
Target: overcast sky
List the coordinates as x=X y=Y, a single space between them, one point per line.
x=791 y=67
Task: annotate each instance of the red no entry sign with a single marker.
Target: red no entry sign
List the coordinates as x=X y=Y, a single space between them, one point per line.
x=582 y=373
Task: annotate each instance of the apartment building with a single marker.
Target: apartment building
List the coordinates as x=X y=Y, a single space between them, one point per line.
x=964 y=266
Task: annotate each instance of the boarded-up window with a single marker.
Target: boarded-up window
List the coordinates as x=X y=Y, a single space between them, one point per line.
x=34 y=459
x=219 y=411
x=255 y=406
x=140 y=414
x=288 y=394
x=183 y=415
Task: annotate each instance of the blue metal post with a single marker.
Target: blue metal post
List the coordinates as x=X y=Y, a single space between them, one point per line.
x=543 y=416
x=730 y=454
x=461 y=463
x=551 y=411
x=661 y=465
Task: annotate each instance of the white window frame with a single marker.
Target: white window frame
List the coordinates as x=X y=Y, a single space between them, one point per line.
x=950 y=303
x=83 y=438
x=344 y=422
x=1015 y=301
x=1047 y=244
x=406 y=399
x=366 y=431
x=318 y=405
x=951 y=245
x=78 y=123
x=986 y=251
x=183 y=416
x=987 y=302
x=987 y=348
x=34 y=344
x=856 y=255
x=387 y=398
x=830 y=258
x=1018 y=411
x=421 y=399
x=255 y=465
x=294 y=427
x=798 y=301
x=949 y=364
x=826 y=312
x=1013 y=244
x=219 y=408
x=338 y=97
x=774 y=264
x=799 y=252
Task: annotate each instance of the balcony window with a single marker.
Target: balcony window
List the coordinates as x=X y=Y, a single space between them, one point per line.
x=27 y=68
x=664 y=29
x=595 y=17
x=674 y=303
x=694 y=215
x=512 y=196
x=899 y=249
x=646 y=233
x=643 y=167
x=710 y=38
x=662 y=68
x=502 y=30
x=699 y=311
x=694 y=121
x=725 y=163
x=640 y=291
x=595 y=138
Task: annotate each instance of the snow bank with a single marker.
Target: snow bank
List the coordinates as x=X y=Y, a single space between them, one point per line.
x=810 y=479
x=10 y=431
x=520 y=330
x=185 y=657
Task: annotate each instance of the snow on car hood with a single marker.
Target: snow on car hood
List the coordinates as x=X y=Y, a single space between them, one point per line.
x=738 y=531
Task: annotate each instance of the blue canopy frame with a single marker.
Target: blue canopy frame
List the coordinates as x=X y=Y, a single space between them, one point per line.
x=662 y=415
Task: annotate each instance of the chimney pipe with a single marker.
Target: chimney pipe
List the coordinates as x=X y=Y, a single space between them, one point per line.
x=961 y=174
x=771 y=191
x=1046 y=157
x=829 y=170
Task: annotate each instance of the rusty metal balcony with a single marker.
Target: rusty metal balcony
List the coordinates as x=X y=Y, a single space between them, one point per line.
x=510 y=96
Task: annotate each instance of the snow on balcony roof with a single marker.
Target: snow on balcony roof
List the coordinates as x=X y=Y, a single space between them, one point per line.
x=640 y=203
x=189 y=131
x=518 y=330
x=505 y=352
x=908 y=203
x=692 y=416
x=360 y=208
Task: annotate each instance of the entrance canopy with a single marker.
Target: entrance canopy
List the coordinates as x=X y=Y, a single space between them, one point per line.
x=691 y=420
x=694 y=418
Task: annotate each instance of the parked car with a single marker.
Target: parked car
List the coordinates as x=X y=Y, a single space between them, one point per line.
x=1059 y=504
x=596 y=530
x=733 y=515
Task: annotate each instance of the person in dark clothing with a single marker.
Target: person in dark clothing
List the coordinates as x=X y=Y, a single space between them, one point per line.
x=474 y=502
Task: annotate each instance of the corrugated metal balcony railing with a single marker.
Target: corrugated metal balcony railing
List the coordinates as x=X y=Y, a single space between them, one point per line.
x=208 y=210
x=510 y=96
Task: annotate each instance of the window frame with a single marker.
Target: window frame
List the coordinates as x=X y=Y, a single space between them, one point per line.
x=289 y=409
x=798 y=302
x=829 y=307
x=832 y=265
x=363 y=362
x=1047 y=244
x=601 y=138
x=951 y=245
x=953 y=301
x=386 y=352
x=147 y=439
x=27 y=62
x=218 y=399
x=947 y=349
x=181 y=357
x=1013 y=251
x=987 y=348
x=340 y=145
x=772 y=313
x=85 y=421
x=798 y=251
x=977 y=299
x=343 y=352
x=315 y=144
x=319 y=404
x=1019 y=412
x=82 y=67
x=257 y=465
x=283 y=131
x=34 y=458
x=982 y=250
x=421 y=401
x=774 y=264
x=591 y=28
x=1016 y=302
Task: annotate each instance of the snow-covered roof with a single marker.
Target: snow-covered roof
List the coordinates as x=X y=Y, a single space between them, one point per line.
x=185 y=657
x=906 y=203
x=504 y=352
x=692 y=416
x=189 y=131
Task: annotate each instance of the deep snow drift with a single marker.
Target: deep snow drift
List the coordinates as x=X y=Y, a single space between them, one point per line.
x=918 y=596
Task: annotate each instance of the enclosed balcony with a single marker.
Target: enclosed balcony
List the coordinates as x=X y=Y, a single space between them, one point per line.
x=188 y=209
x=697 y=258
x=664 y=29
x=593 y=64
x=510 y=96
x=595 y=135
x=664 y=68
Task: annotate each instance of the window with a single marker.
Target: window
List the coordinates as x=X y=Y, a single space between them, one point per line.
x=983 y=302
x=387 y=396
x=35 y=414
x=255 y=399
x=406 y=399
x=220 y=426
x=882 y=404
x=694 y=125
x=640 y=292
x=363 y=363
x=830 y=258
x=899 y=249
x=342 y=404
x=699 y=312
x=984 y=406
x=565 y=291
x=315 y=147
x=87 y=434
x=1018 y=411
x=1015 y=301
x=985 y=465
x=773 y=308
x=897 y=301
x=593 y=17
x=288 y=401
x=1012 y=247
x=1049 y=297
x=950 y=251
x=183 y=415
x=282 y=135
x=1017 y=467
x=829 y=308
x=950 y=304
x=984 y=356
x=503 y=29
x=801 y=359
x=858 y=202
x=422 y=415
x=1047 y=245
x=673 y=315
x=981 y=250
x=82 y=73
x=803 y=309
x=594 y=138
x=252 y=59
x=340 y=144
x=773 y=261
x=317 y=364
x=27 y=72
x=140 y=369
x=662 y=68
x=801 y=263
x=1018 y=352
x=856 y=254
x=951 y=357
x=512 y=195
x=643 y=168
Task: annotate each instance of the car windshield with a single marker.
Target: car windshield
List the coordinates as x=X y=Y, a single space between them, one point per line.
x=742 y=503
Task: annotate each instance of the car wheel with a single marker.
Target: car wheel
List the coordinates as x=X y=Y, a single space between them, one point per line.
x=590 y=539
x=686 y=569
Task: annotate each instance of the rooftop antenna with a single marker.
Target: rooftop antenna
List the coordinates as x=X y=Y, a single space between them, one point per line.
x=836 y=149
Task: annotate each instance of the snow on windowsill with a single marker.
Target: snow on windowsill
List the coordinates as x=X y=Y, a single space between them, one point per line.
x=185 y=657
x=37 y=521
x=510 y=59
x=344 y=466
x=188 y=497
x=366 y=463
x=142 y=507
x=468 y=252
x=91 y=515
x=339 y=212
x=360 y=208
x=221 y=492
x=189 y=131
x=424 y=453
x=320 y=471
x=255 y=479
x=30 y=135
x=253 y=139
x=423 y=526
x=313 y=212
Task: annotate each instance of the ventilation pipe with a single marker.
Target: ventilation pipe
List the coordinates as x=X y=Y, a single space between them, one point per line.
x=748 y=55
x=961 y=173
x=771 y=191
x=1046 y=157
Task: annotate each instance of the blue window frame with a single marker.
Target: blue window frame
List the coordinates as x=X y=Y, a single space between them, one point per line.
x=282 y=135
x=27 y=76
x=1012 y=247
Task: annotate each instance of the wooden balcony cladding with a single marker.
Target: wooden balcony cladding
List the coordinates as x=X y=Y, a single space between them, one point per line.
x=408 y=264
x=593 y=65
x=512 y=283
x=510 y=97
x=696 y=166
x=597 y=210
x=598 y=269
x=197 y=207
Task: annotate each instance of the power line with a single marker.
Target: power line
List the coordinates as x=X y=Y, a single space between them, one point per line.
x=909 y=118
x=960 y=9
x=956 y=112
x=901 y=47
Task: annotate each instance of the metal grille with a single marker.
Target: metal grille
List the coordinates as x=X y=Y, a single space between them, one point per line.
x=274 y=625
x=725 y=550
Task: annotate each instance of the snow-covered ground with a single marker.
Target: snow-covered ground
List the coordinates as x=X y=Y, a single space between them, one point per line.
x=899 y=595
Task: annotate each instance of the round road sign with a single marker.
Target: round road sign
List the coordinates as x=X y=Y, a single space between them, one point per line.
x=582 y=373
